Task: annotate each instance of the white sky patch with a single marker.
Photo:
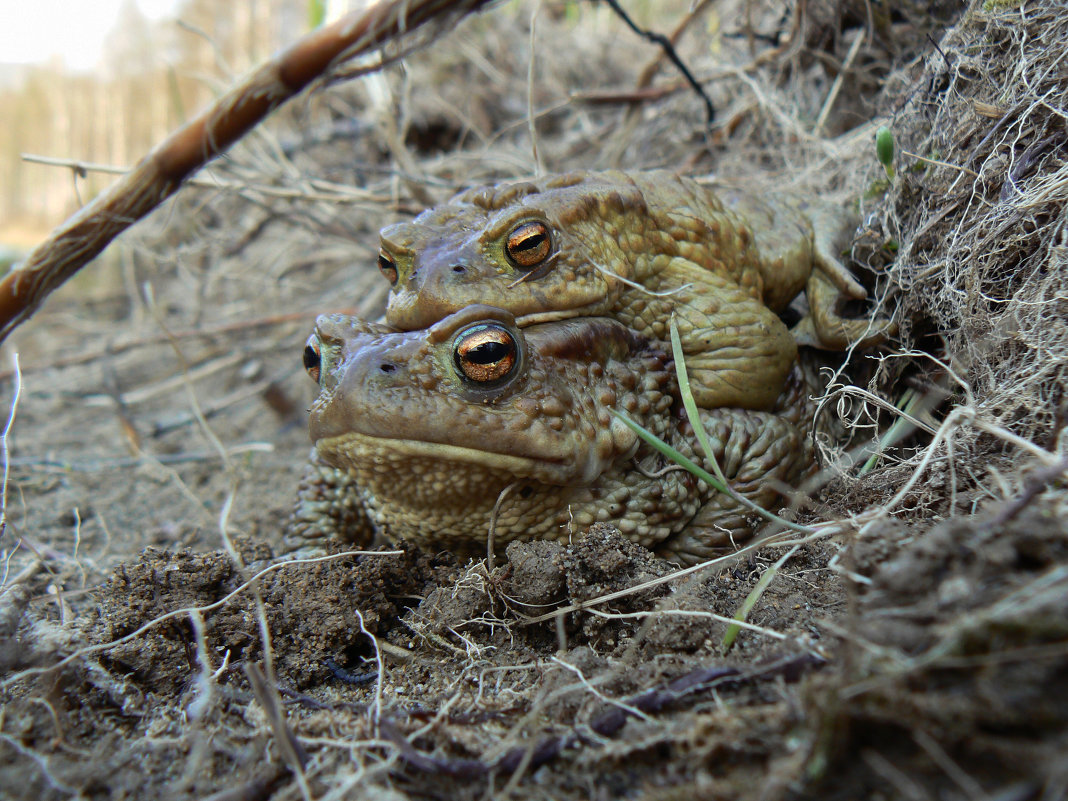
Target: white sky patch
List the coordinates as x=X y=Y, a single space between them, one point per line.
x=33 y=31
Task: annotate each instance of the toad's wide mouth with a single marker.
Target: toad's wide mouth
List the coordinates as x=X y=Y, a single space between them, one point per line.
x=361 y=452
x=594 y=308
x=554 y=316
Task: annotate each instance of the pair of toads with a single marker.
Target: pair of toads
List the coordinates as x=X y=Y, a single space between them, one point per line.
x=522 y=315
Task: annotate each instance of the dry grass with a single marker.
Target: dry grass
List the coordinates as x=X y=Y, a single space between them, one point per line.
x=982 y=258
x=914 y=646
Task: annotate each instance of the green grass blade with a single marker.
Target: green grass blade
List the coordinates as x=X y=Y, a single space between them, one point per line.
x=694 y=416
x=899 y=429
x=752 y=598
x=692 y=413
x=672 y=454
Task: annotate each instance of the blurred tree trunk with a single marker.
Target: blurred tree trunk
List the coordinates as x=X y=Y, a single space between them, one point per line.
x=151 y=77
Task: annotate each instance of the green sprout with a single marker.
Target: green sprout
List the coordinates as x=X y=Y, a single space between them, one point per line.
x=884 y=150
x=751 y=600
x=316 y=13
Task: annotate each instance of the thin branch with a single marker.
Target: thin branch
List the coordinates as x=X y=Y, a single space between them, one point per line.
x=836 y=87
x=333 y=192
x=161 y=173
x=669 y=51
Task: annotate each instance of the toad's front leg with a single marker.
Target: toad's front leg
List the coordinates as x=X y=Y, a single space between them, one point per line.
x=328 y=506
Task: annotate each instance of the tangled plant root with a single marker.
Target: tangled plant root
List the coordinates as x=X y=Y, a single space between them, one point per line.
x=983 y=253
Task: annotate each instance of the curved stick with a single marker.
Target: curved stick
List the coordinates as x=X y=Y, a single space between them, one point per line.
x=159 y=174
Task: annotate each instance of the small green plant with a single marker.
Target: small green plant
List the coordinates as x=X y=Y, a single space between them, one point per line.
x=876 y=189
x=751 y=599
x=884 y=150
x=992 y=6
x=898 y=431
x=316 y=13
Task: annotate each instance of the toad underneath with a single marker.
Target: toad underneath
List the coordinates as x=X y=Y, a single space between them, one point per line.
x=419 y=433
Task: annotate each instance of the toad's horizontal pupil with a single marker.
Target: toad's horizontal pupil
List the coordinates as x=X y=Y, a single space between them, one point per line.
x=488 y=353
x=530 y=242
x=311 y=357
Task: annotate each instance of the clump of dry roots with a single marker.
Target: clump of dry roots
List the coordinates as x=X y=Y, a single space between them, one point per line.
x=975 y=223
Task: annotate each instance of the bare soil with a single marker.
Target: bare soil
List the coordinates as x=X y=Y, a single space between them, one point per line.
x=155 y=641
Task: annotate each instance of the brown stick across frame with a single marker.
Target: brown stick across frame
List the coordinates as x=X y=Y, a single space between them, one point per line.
x=159 y=174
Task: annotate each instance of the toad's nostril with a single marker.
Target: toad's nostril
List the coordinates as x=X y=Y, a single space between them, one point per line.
x=459 y=268
x=313 y=358
x=386 y=367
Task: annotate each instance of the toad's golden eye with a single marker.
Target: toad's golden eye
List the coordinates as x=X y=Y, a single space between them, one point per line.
x=312 y=358
x=486 y=353
x=387 y=266
x=529 y=244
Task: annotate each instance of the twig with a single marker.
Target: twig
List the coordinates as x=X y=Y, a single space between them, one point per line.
x=331 y=192
x=643 y=89
x=696 y=613
x=161 y=173
x=606 y=724
x=643 y=95
x=261 y=389
x=1037 y=482
x=188 y=376
x=260 y=787
x=972 y=789
x=203 y=685
x=645 y=78
x=158 y=339
x=43 y=764
x=95 y=465
x=376 y=706
x=938 y=163
x=293 y=753
x=774 y=540
x=3 y=444
x=905 y=785
x=836 y=87
x=669 y=51
x=491 y=535
x=539 y=169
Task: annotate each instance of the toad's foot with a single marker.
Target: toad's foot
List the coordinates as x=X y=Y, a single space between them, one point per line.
x=823 y=327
